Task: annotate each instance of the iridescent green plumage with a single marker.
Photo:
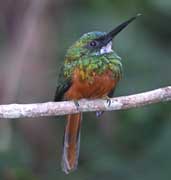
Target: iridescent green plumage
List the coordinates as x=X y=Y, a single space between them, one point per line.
x=79 y=48
x=95 y=63
x=88 y=60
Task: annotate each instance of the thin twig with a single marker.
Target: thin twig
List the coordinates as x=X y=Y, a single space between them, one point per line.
x=68 y=107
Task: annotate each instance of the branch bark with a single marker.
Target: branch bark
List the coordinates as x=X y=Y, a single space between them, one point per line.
x=68 y=107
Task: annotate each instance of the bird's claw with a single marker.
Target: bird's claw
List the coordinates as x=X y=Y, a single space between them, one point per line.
x=99 y=113
x=76 y=104
x=108 y=102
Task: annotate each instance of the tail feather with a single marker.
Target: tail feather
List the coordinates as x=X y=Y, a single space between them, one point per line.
x=71 y=143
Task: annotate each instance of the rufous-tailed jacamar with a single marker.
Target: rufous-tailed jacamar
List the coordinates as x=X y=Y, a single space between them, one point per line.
x=91 y=70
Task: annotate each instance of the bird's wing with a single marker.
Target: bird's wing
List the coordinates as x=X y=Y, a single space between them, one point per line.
x=61 y=89
x=63 y=85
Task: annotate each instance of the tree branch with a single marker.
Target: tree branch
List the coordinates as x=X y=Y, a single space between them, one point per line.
x=68 y=107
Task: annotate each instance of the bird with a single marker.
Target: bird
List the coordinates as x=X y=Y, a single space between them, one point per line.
x=91 y=70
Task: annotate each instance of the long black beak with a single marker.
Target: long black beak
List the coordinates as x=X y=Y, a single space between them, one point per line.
x=109 y=36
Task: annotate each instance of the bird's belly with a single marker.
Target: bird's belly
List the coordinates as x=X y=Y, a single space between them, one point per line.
x=99 y=86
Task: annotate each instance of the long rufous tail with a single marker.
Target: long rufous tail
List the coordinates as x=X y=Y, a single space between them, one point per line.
x=71 y=143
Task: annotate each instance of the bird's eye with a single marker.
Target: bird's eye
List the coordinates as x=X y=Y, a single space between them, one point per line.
x=93 y=43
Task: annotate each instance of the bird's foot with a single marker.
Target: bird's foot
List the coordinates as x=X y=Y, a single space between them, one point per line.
x=108 y=100
x=99 y=113
x=76 y=104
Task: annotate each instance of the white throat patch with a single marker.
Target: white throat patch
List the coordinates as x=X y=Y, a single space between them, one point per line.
x=107 y=48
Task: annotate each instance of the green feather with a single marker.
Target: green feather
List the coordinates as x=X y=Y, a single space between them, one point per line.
x=87 y=61
x=98 y=64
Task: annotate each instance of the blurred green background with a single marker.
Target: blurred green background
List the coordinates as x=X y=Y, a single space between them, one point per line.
x=123 y=145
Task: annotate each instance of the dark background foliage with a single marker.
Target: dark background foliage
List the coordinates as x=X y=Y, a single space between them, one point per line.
x=124 y=145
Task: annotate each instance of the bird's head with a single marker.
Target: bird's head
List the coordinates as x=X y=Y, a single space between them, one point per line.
x=95 y=43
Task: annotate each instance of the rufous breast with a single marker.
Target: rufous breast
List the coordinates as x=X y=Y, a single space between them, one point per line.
x=98 y=86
